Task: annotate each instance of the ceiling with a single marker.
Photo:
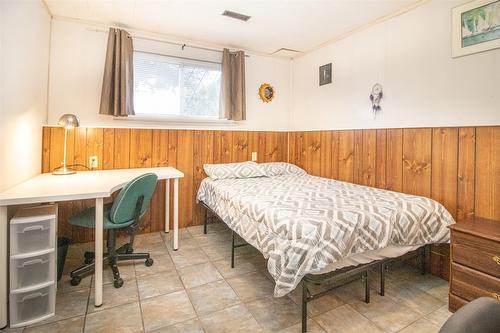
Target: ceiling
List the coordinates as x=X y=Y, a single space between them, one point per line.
x=293 y=24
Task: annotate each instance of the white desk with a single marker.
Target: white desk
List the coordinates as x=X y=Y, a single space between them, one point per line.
x=82 y=185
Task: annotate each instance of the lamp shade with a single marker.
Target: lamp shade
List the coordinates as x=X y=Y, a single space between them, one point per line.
x=69 y=120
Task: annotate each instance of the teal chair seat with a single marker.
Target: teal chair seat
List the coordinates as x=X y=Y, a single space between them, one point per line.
x=86 y=219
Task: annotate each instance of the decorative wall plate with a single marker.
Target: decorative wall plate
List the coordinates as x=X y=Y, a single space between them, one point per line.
x=266 y=92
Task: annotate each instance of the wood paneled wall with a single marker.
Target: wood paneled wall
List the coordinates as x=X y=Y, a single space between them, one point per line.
x=459 y=167
x=187 y=150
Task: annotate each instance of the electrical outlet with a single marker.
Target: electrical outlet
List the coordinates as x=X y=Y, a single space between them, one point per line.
x=254 y=156
x=93 y=162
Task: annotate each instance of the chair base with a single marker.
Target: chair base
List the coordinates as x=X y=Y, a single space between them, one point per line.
x=90 y=256
x=78 y=274
x=111 y=258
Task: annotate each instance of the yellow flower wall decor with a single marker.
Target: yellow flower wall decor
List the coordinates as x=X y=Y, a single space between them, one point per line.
x=266 y=92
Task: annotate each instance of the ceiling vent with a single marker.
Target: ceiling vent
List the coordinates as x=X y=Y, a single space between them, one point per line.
x=236 y=16
x=284 y=52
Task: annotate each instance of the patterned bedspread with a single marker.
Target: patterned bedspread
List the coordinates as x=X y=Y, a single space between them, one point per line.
x=302 y=223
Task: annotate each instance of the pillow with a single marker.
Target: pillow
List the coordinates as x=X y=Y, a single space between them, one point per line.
x=233 y=170
x=281 y=168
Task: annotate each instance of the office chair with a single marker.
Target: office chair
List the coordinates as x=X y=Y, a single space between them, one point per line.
x=482 y=315
x=122 y=214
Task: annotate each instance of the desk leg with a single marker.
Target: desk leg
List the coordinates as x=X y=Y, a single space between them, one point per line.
x=167 y=205
x=176 y=214
x=98 y=250
x=3 y=264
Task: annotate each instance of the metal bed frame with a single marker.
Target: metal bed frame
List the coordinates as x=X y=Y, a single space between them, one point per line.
x=336 y=278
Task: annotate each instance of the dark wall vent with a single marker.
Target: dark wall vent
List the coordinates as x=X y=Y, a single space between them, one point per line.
x=237 y=16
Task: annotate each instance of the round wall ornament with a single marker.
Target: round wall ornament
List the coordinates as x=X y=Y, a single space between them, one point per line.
x=266 y=92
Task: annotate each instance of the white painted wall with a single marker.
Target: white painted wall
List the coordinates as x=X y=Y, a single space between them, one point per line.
x=410 y=55
x=77 y=64
x=24 y=60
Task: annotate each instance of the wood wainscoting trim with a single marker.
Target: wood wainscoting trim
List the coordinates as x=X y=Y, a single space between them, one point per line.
x=187 y=150
x=457 y=166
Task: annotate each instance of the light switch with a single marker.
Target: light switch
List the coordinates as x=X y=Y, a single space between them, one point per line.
x=254 y=156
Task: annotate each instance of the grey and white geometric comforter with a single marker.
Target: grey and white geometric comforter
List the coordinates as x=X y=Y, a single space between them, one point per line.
x=302 y=223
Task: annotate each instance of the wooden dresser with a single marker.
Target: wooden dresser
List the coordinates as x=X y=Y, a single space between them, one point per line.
x=475 y=261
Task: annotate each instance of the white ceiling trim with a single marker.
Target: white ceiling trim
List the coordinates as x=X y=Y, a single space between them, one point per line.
x=364 y=27
x=178 y=39
x=159 y=37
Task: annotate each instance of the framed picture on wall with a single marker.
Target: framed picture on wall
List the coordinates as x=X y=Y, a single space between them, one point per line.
x=475 y=27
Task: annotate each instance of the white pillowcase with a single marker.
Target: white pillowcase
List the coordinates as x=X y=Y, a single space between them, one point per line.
x=233 y=170
x=281 y=168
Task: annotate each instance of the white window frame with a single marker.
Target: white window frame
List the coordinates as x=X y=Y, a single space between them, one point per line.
x=158 y=118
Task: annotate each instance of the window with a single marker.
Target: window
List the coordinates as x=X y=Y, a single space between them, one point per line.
x=169 y=86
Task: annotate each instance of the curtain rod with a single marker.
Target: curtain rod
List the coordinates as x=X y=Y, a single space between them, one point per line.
x=182 y=45
x=177 y=57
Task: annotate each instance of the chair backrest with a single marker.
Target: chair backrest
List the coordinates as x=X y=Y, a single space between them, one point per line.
x=124 y=207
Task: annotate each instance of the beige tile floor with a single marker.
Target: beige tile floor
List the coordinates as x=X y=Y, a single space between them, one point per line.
x=195 y=290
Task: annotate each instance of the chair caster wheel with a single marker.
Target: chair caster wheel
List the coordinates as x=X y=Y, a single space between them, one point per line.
x=89 y=258
x=75 y=281
x=149 y=262
x=118 y=283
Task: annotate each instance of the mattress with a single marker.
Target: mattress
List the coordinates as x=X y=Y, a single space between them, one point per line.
x=305 y=224
x=390 y=251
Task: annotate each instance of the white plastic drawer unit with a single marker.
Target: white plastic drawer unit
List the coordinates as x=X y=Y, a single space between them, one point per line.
x=32 y=306
x=33 y=233
x=28 y=272
x=32 y=264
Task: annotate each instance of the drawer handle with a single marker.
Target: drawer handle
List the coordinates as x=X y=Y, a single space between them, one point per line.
x=32 y=296
x=32 y=262
x=33 y=228
x=496 y=259
x=495 y=295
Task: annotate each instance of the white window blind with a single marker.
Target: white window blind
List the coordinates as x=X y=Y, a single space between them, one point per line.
x=176 y=87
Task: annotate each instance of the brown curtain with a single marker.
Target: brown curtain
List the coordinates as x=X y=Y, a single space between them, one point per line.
x=233 y=85
x=117 y=96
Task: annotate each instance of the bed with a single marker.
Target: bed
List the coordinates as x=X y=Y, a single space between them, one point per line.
x=309 y=226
